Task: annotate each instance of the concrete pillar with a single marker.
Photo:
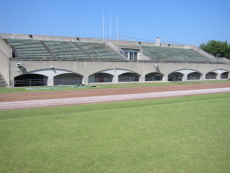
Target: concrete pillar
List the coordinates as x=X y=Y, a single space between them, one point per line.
x=165 y=77
x=50 y=81
x=85 y=80
x=115 y=79
x=218 y=76
x=185 y=77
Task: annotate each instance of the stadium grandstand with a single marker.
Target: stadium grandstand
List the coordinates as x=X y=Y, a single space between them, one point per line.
x=36 y=60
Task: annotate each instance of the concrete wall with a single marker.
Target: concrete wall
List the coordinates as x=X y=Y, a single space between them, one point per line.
x=86 y=69
x=5 y=54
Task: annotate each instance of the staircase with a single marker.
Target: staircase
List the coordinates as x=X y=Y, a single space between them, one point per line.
x=2 y=81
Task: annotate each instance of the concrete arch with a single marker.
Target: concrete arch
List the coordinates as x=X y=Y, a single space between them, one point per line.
x=194 y=76
x=51 y=73
x=30 y=80
x=68 y=79
x=221 y=73
x=175 y=76
x=211 y=75
x=129 y=77
x=111 y=75
x=184 y=74
x=154 y=76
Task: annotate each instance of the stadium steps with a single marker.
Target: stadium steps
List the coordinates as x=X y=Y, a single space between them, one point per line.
x=48 y=49
x=83 y=50
x=2 y=81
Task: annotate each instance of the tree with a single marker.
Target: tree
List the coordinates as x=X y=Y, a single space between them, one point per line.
x=217 y=48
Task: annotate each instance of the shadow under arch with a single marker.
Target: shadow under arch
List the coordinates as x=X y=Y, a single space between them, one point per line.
x=113 y=75
x=129 y=77
x=154 y=76
x=175 y=76
x=211 y=75
x=68 y=79
x=194 y=76
x=30 y=80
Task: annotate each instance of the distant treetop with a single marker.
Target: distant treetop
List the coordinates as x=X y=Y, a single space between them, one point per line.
x=217 y=48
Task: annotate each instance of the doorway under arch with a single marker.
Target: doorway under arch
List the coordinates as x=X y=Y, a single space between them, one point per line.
x=211 y=75
x=129 y=77
x=224 y=75
x=100 y=78
x=68 y=79
x=175 y=76
x=30 y=80
x=154 y=76
x=194 y=76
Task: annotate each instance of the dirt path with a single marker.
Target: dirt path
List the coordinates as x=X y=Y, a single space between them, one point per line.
x=75 y=97
x=43 y=95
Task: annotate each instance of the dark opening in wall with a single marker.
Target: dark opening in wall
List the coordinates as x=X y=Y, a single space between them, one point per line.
x=139 y=42
x=169 y=45
x=31 y=36
x=78 y=39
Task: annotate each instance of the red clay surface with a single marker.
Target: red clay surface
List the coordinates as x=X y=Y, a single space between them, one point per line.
x=43 y=95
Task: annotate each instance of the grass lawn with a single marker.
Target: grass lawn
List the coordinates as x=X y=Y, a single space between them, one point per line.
x=184 y=134
x=101 y=86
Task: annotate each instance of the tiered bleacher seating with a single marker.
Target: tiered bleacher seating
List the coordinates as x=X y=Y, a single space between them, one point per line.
x=155 y=54
x=97 y=50
x=65 y=50
x=28 y=48
x=175 y=54
x=195 y=55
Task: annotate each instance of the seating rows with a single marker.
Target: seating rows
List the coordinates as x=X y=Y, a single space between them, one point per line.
x=26 y=48
x=98 y=50
x=63 y=50
x=177 y=54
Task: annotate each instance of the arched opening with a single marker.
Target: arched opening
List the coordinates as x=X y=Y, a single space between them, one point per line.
x=30 y=80
x=194 y=76
x=211 y=75
x=224 y=75
x=68 y=79
x=100 y=78
x=128 y=77
x=154 y=77
x=175 y=76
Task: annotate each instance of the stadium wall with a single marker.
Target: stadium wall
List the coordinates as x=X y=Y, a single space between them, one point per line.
x=5 y=55
x=86 y=69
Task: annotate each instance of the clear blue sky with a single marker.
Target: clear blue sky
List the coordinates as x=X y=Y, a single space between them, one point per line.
x=174 y=21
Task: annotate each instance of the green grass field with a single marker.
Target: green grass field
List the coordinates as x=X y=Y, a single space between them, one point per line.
x=173 y=135
x=103 y=86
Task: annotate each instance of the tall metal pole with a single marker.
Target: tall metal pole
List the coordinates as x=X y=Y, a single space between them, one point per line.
x=117 y=28
x=103 y=28
x=110 y=27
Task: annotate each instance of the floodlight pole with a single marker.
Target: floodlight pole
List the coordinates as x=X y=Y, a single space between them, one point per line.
x=110 y=27
x=103 y=27
x=117 y=28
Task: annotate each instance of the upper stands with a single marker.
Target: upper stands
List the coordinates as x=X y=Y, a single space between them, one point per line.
x=173 y=54
x=28 y=48
x=33 y=49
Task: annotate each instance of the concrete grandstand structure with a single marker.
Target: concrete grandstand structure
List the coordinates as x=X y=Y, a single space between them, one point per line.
x=35 y=60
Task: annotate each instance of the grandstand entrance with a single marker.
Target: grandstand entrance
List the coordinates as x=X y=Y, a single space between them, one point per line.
x=211 y=75
x=128 y=77
x=130 y=54
x=194 y=76
x=30 y=80
x=224 y=75
x=68 y=79
x=175 y=76
x=100 y=78
x=153 y=77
